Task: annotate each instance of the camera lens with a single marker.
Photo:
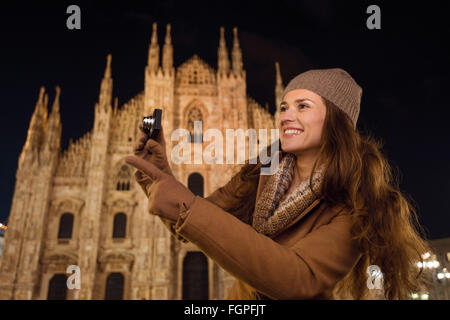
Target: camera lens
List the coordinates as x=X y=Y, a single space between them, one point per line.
x=147 y=124
x=152 y=124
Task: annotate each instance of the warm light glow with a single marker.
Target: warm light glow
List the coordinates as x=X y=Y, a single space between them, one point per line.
x=440 y=275
x=428 y=264
x=425 y=296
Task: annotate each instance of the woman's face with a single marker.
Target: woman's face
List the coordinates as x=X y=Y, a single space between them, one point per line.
x=302 y=115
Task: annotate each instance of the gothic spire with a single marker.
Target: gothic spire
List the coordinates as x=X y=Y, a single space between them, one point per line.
x=223 y=62
x=167 y=58
x=108 y=67
x=37 y=122
x=55 y=118
x=37 y=117
x=55 y=107
x=44 y=110
x=153 y=53
x=106 y=86
x=236 y=54
x=279 y=88
x=40 y=103
x=53 y=130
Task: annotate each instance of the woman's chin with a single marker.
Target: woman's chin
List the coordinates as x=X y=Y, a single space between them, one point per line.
x=291 y=149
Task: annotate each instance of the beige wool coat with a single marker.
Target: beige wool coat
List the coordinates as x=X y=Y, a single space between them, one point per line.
x=305 y=260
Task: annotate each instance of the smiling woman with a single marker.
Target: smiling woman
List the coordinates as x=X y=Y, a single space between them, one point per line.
x=318 y=118
x=313 y=228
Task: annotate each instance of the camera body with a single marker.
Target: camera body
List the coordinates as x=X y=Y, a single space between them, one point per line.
x=152 y=124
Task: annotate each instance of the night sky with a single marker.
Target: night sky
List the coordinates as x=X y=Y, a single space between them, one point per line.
x=403 y=70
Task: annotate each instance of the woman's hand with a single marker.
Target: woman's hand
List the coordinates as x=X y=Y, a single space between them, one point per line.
x=153 y=151
x=165 y=194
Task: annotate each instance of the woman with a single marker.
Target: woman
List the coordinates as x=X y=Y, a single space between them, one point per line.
x=312 y=229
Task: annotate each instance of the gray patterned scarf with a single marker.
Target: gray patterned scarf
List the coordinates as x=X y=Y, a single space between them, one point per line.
x=272 y=212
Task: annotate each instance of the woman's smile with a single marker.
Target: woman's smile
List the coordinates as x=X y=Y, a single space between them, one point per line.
x=292 y=132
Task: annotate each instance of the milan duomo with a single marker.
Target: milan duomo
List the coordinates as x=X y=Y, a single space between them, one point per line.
x=82 y=207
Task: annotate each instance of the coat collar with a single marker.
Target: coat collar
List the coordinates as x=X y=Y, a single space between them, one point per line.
x=262 y=181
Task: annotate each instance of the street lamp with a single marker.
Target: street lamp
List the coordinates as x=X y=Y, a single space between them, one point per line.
x=430 y=262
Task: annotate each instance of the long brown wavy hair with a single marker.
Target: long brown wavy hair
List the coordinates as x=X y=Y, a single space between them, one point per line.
x=386 y=225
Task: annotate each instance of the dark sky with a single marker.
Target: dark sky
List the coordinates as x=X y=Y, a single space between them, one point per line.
x=403 y=70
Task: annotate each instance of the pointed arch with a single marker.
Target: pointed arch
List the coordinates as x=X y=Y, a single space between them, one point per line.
x=120 y=225
x=65 y=226
x=195 y=111
x=114 y=286
x=123 y=176
x=195 y=276
x=57 y=288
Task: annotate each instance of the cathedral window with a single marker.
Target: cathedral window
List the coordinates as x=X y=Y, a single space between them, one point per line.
x=114 y=287
x=195 y=183
x=194 y=115
x=120 y=225
x=123 y=179
x=195 y=276
x=65 y=226
x=57 y=287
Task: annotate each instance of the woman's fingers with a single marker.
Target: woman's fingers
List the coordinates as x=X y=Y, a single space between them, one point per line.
x=147 y=167
x=143 y=141
x=153 y=146
x=141 y=177
x=150 y=147
x=140 y=143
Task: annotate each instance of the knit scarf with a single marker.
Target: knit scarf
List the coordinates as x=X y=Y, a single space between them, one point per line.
x=272 y=212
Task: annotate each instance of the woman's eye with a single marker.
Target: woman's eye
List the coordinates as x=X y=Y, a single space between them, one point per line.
x=300 y=106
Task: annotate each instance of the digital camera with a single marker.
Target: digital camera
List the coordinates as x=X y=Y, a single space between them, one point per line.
x=152 y=124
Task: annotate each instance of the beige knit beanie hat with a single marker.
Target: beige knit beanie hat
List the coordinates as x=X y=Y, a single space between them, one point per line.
x=335 y=85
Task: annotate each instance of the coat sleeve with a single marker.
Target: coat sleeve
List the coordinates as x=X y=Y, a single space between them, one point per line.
x=312 y=265
x=236 y=197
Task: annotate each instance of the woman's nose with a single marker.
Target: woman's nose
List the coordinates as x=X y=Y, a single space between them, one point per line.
x=287 y=115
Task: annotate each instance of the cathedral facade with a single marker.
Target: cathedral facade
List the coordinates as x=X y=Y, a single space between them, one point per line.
x=81 y=206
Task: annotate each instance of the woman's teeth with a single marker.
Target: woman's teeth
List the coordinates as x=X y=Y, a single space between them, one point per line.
x=292 y=131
